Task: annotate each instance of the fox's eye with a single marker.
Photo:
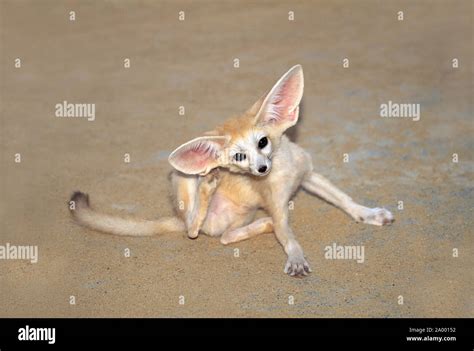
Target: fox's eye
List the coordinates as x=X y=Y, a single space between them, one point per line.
x=240 y=156
x=262 y=142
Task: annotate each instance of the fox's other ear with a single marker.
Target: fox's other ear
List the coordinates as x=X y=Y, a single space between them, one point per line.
x=280 y=106
x=198 y=156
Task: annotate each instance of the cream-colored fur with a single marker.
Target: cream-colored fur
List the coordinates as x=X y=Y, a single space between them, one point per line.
x=222 y=178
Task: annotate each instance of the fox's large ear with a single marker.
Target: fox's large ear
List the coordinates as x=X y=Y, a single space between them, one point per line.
x=280 y=106
x=198 y=156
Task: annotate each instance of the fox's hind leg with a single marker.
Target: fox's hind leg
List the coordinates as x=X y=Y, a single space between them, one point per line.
x=260 y=226
x=193 y=195
x=322 y=187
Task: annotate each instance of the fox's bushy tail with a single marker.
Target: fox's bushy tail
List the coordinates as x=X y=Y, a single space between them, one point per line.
x=104 y=223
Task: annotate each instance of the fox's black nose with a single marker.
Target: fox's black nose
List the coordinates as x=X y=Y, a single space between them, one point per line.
x=262 y=169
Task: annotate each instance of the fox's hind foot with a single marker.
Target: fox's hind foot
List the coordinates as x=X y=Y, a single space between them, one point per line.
x=375 y=216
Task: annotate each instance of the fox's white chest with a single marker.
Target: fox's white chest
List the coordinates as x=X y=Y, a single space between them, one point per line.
x=289 y=167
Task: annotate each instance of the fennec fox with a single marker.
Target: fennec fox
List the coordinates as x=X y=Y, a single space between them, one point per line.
x=222 y=178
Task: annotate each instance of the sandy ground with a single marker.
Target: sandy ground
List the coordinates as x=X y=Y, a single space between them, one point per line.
x=190 y=63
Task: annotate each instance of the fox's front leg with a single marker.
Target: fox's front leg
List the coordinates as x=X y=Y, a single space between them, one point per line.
x=296 y=264
x=207 y=185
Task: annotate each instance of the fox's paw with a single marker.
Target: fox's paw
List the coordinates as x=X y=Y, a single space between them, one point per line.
x=193 y=233
x=375 y=216
x=210 y=182
x=213 y=176
x=78 y=200
x=297 y=266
